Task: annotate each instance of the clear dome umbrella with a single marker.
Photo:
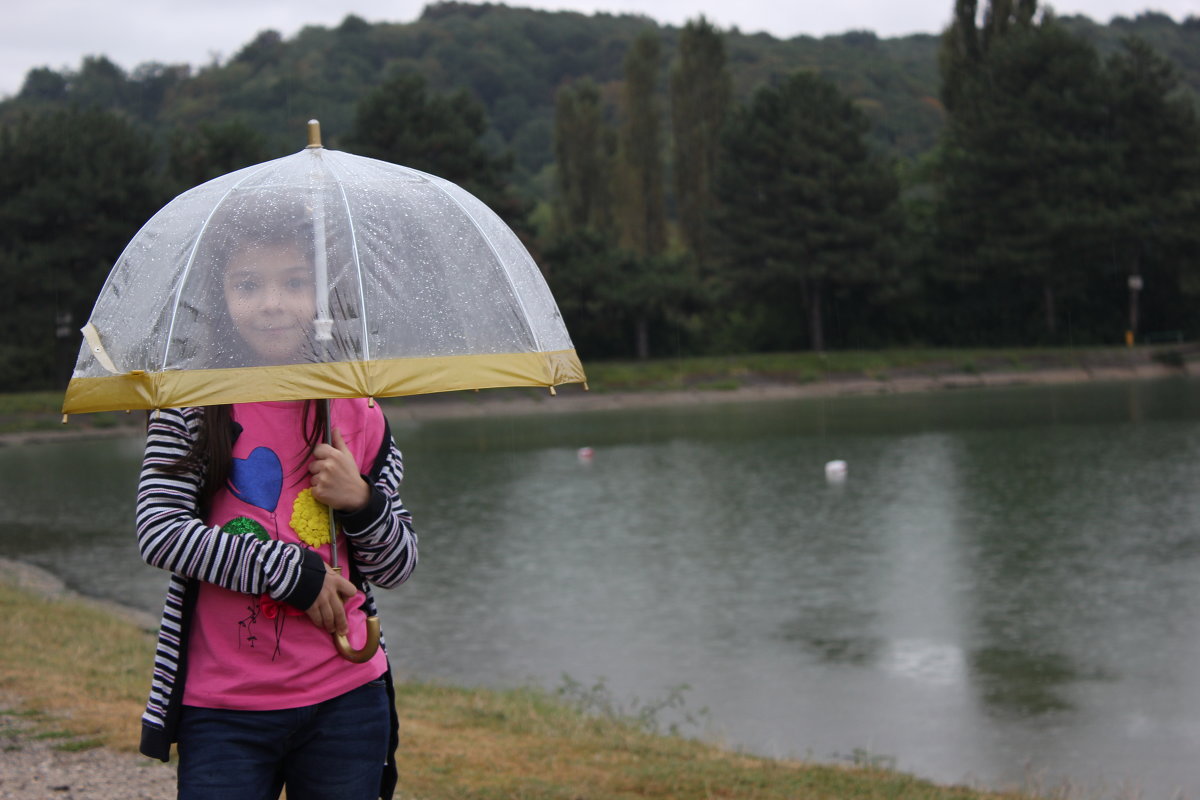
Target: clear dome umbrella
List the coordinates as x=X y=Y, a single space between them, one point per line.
x=315 y=276
x=412 y=286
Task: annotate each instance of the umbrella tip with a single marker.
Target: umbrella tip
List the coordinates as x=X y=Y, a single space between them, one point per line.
x=314 y=133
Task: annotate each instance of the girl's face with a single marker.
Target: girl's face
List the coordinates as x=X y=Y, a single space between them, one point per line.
x=270 y=294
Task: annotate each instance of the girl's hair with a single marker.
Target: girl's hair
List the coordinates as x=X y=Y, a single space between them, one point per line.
x=211 y=454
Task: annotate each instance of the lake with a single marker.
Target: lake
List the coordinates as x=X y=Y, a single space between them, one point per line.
x=1002 y=591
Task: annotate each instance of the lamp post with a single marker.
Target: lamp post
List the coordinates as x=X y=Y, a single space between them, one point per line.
x=1135 y=286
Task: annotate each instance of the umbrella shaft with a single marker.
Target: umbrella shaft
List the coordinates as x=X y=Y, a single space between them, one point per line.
x=333 y=551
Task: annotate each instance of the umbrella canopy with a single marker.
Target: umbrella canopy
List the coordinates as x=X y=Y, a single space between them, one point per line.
x=383 y=281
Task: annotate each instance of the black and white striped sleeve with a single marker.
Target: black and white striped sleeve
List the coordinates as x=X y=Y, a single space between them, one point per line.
x=172 y=536
x=381 y=535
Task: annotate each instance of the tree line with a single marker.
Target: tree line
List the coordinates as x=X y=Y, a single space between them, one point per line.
x=679 y=211
x=1058 y=205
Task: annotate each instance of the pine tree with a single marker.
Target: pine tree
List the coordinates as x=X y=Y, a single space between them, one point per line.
x=806 y=208
x=1027 y=170
x=1153 y=231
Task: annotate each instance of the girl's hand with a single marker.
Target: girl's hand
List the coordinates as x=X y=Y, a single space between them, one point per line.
x=336 y=481
x=328 y=611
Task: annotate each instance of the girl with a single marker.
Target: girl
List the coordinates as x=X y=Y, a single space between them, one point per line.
x=232 y=501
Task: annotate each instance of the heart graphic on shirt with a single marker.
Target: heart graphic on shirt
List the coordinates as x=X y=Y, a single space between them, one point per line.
x=257 y=479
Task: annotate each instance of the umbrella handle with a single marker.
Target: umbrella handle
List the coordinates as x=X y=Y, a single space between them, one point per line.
x=342 y=643
x=359 y=656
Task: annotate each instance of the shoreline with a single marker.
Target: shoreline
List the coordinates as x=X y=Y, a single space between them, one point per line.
x=571 y=399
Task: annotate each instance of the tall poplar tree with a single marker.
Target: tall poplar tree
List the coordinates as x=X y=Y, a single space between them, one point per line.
x=584 y=145
x=641 y=212
x=701 y=91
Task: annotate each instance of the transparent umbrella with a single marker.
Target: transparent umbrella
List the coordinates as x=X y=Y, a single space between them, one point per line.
x=315 y=276
x=416 y=287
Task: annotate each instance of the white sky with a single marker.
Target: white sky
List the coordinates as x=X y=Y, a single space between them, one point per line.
x=58 y=33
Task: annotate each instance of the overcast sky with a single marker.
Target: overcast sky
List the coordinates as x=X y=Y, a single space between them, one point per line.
x=58 y=33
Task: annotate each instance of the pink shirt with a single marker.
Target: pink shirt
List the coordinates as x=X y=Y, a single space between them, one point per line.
x=252 y=653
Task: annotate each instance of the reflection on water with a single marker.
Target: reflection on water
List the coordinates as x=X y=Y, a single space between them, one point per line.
x=1006 y=583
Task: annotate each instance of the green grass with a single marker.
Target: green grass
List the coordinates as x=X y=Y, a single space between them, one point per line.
x=31 y=403
x=41 y=411
x=731 y=372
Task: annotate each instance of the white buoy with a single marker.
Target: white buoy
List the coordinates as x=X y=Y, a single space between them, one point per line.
x=835 y=470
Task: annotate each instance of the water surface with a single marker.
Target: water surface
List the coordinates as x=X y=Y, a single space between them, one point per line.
x=1004 y=589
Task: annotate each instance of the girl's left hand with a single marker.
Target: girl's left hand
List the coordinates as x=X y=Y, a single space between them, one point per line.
x=336 y=481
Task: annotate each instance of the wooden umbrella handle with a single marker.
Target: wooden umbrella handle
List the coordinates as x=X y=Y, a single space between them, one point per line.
x=342 y=643
x=359 y=656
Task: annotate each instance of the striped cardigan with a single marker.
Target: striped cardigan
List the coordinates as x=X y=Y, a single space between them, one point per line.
x=171 y=535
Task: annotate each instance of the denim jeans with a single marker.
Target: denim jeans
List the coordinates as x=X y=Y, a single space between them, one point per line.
x=331 y=751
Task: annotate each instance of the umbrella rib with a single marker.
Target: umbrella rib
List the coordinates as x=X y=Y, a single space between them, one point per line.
x=437 y=183
x=192 y=257
x=362 y=299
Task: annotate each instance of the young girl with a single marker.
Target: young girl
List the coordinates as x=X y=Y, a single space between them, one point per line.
x=232 y=501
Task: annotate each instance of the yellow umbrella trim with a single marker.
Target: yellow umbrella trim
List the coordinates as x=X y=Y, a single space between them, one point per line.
x=385 y=378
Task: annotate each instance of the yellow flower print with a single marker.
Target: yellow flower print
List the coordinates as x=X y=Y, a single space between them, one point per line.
x=310 y=519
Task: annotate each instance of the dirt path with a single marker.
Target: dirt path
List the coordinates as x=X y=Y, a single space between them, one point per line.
x=33 y=768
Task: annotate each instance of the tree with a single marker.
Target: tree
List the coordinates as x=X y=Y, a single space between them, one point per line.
x=965 y=43
x=76 y=187
x=806 y=208
x=213 y=149
x=640 y=171
x=404 y=123
x=584 y=146
x=701 y=92
x=1027 y=168
x=43 y=83
x=641 y=214
x=1157 y=194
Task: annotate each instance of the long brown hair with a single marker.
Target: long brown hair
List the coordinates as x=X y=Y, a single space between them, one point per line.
x=211 y=453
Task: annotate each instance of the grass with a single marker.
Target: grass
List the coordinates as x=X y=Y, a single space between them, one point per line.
x=68 y=658
x=41 y=411
x=81 y=673
x=733 y=372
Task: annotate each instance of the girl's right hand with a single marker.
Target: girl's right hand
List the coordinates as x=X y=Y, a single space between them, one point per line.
x=328 y=611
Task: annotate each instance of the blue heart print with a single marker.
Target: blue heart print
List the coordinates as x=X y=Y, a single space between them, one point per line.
x=257 y=479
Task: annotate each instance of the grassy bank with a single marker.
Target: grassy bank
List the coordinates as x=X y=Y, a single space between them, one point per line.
x=734 y=372
x=81 y=674
x=41 y=411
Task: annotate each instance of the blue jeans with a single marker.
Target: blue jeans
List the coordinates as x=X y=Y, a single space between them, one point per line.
x=331 y=751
